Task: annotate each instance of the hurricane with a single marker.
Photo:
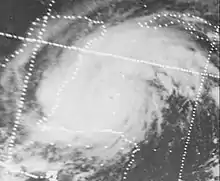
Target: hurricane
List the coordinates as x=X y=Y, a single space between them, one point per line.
x=111 y=90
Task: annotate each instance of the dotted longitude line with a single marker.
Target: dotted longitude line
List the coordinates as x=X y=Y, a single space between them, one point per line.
x=74 y=74
x=41 y=41
x=204 y=75
x=26 y=81
x=20 y=50
x=33 y=40
x=16 y=53
x=35 y=23
x=198 y=96
x=79 y=131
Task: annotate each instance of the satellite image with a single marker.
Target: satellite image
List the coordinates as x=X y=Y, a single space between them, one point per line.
x=109 y=90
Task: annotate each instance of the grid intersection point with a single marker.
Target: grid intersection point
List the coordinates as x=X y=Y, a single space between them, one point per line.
x=22 y=98
x=204 y=74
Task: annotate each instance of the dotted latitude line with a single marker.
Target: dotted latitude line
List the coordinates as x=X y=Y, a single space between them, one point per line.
x=120 y=134
x=26 y=80
x=77 y=17
x=74 y=73
x=41 y=41
x=16 y=53
x=204 y=76
x=66 y=130
x=45 y=128
x=187 y=26
x=33 y=40
x=20 y=50
x=60 y=90
x=7 y=60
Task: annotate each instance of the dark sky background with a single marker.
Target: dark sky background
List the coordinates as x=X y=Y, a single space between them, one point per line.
x=16 y=15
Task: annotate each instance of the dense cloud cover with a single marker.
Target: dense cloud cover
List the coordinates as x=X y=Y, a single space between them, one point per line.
x=107 y=109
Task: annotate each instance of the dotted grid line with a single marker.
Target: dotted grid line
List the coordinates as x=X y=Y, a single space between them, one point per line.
x=123 y=137
x=73 y=77
x=184 y=15
x=17 y=52
x=77 y=17
x=79 y=131
x=194 y=114
x=35 y=23
x=121 y=134
x=193 y=16
x=20 y=50
x=26 y=81
x=137 y=148
x=155 y=18
x=3 y=65
x=74 y=73
x=175 y=15
x=204 y=75
x=33 y=40
x=71 y=17
x=131 y=161
x=49 y=128
x=88 y=45
x=187 y=26
x=31 y=29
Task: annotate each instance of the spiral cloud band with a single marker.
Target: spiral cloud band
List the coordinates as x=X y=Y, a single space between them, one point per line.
x=90 y=103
